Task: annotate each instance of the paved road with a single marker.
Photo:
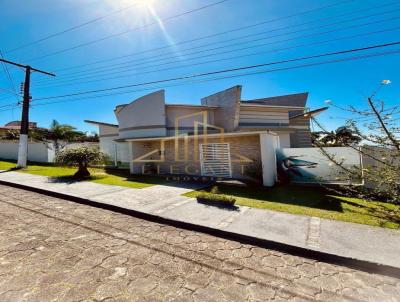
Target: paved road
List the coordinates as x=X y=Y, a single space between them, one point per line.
x=56 y=250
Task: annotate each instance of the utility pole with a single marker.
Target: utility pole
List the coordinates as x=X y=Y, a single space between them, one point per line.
x=23 y=136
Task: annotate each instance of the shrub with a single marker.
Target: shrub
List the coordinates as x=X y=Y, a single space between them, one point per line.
x=81 y=157
x=214 y=190
x=216 y=199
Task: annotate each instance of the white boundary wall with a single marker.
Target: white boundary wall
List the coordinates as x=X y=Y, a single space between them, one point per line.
x=38 y=152
x=311 y=165
x=118 y=153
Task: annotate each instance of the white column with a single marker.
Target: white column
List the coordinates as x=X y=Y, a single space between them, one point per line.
x=22 y=151
x=130 y=152
x=269 y=143
x=115 y=154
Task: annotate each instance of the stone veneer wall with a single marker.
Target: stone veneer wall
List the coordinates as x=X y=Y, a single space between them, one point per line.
x=248 y=146
x=301 y=138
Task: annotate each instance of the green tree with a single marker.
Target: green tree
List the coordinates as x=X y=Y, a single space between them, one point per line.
x=92 y=137
x=58 y=134
x=377 y=125
x=81 y=157
x=11 y=135
x=342 y=136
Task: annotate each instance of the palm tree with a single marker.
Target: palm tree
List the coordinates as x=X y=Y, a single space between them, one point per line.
x=58 y=133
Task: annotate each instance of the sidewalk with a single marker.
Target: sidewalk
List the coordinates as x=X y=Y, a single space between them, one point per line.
x=361 y=242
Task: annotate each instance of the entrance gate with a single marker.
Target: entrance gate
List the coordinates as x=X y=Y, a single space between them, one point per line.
x=215 y=160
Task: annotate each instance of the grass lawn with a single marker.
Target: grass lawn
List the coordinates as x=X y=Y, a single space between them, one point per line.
x=312 y=201
x=101 y=176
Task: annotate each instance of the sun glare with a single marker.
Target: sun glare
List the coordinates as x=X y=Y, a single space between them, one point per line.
x=141 y=4
x=149 y=4
x=145 y=12
x=134 y=12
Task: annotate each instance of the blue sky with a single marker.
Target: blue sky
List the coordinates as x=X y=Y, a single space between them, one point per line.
x=351 y=24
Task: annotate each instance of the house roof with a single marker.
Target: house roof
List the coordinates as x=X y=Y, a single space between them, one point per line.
x=191 y=106
x=297 y=100
x=246 y=104
x=10 y=127
x=100 y=123
x=309 y=113
x=16 y=125
x=290 y=100
x=178 y=105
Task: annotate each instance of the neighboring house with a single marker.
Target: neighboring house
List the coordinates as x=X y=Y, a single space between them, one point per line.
x=241 y=135
x=14 y=126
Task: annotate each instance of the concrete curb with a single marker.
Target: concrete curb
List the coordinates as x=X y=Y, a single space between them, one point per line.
x=263 y=243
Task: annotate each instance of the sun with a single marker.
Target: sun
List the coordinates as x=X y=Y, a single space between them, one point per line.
x=148 y=4
x=132 y=12
x=143 y=12
x=140 y=4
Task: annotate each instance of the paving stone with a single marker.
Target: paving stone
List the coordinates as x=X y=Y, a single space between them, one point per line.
x=234 y=292
x=274 y=261
x=309 y=270
x=142 y=286
x=197 y=280
x=259 y=292
x=288 y=273
x=110 y=289
x=242 y=253
x=56 y=250
x=305 y=286
x=81 y=291
x=209 y=294
x=327 y=283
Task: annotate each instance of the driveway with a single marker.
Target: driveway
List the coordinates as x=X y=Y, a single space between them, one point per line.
x=56 y=250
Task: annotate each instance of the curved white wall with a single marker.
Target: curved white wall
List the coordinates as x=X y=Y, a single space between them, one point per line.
x=144 y=117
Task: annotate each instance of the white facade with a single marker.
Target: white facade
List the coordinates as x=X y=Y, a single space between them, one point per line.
x=117 y=152
x=149 y=118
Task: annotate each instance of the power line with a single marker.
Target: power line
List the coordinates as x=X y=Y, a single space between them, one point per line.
x=128 y=63
x=226 y=70
x=70 y=29
x=229 y=76
x=26 y=66
x=6 y=110
x=10 y=79
x=23 y=133
x=129 y=30
x=8 y=105
x=88 y=76
x=224 y=77
x=4 y=95
x=213 y=35
x=265 y=32
x=6 y=92
x=223 y=59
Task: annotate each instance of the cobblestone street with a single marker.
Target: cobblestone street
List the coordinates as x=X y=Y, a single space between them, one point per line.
x=56 y=250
